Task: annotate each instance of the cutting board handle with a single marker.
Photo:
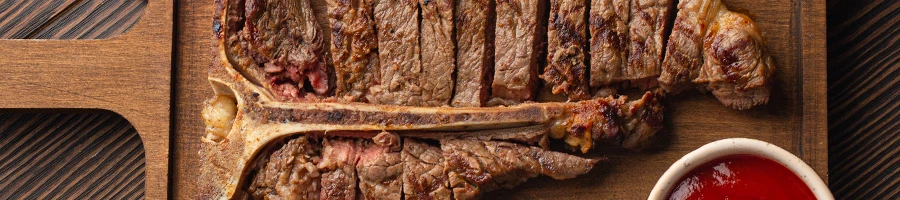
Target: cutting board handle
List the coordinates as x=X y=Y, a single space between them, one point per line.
x=129 y=74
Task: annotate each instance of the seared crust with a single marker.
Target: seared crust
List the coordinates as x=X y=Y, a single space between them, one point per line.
x=737 y=69
x=566 y=70
x=609 y=40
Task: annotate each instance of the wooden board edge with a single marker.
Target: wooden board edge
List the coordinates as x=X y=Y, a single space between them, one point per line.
x=814 y=124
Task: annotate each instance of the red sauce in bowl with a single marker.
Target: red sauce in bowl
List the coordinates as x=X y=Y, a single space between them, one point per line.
x=741 y=177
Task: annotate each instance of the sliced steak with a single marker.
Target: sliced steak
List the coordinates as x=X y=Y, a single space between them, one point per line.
x=609 y=40
x=286 y=46
x=424 y=172
x=737 y=68
x=287 y=173
x=684 y=52
x=438 y=52
x=649 y=19
x=379 y=169
x=519 y=34
x=338 y=168
x=642 y=120
x=566 y=70
x=475 y=167
x=475 y=21
x=400 y=69
x=353 y=47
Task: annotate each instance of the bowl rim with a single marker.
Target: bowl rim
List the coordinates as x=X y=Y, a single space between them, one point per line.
x=732 y=146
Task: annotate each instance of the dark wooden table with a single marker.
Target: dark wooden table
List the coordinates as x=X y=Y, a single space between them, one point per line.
x=88 y=154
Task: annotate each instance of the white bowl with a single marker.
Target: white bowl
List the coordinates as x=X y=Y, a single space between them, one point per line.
x=732 y=146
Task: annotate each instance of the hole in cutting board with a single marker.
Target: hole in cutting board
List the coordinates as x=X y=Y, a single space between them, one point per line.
x=68 y=19
x=69 y=154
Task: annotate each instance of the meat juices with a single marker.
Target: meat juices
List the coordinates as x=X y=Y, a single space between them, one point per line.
x=425 y=175
x=647 y=34
x=608 y=21
x=517 y=44
x=474 y=21
x=737 y=68
x=353 y=47
x=566 y=70
x=284 y=41
x=290 y=171
x=684 y=52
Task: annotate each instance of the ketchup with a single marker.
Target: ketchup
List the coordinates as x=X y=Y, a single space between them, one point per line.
x=741 y=177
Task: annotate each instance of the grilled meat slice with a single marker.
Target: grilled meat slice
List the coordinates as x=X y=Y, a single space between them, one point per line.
x=566 y=70
x=684 y=52
x=643 y=119
x=399 y=81
x=438 y=52
x=474 y=21
x=737 y=68
x=609 y=41
x=338 y=168
x=286 y=46
x=379 y=170
x=288 y=173
x=519 y=34
x=424 y=171
x=353 y=47
x=647 y=31
x=475 y=167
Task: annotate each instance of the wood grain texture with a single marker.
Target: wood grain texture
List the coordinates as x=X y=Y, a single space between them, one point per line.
x=128 y=74
x=68 y=19
x=73 y=154
x=864 y=98
x=794 y=118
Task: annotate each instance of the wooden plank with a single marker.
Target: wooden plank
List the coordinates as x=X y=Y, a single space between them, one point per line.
x=793 y=119
x=863 y=93
x=128 y=74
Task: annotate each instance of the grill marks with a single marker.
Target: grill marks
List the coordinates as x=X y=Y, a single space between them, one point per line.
x=566 y=69
x=647 y=28
x=609 y=41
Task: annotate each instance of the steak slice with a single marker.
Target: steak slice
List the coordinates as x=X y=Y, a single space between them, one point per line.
x=284 y=41
x=737 y=68
x=609 y=41
x=338 y=168
x=398 y=51
x=379 y=169
x=353 y=47
x=648 y=25
x=475 y=167
x=438 y=52
x=288 y=173
x=424 y=171
x=475 y=21
x=684 y=52
x=566 y=70
x=519 y=34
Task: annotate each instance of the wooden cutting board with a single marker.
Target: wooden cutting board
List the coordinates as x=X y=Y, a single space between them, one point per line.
x=129 y=74
x=794 y=119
